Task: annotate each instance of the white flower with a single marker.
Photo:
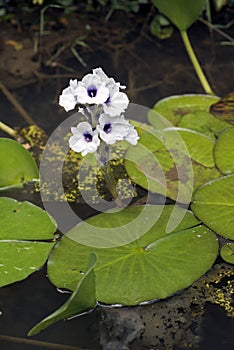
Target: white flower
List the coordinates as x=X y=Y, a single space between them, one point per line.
x=92 y=90
x=117 y=101
x=132 y=136
x=68 y=99
x=112 y=129
x=84 y=139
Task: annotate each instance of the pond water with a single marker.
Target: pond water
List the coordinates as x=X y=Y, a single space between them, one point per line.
x=151 y=70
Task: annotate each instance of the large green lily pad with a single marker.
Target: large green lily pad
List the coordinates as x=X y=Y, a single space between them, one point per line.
x=213 y=203
x=174 y=108
x=181 y=12
x=224 y=152
x=16 y=165
x=172 y=162
x=26 y=238
x=155 y=265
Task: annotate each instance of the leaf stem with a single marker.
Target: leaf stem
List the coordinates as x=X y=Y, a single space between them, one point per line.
x=7 y=129
x=195 y=62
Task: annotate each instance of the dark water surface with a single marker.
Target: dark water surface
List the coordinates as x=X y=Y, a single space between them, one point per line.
x=151 y=69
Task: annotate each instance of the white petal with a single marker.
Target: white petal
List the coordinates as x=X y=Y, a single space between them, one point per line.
x=119 y=128
x=68 y=102
x=132 y=136
x=77 y=141
x=100 y=73
x=117 y=105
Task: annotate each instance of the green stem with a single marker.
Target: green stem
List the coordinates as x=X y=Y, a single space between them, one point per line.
x=7 y=129
x=196 y=64
x=110 y=181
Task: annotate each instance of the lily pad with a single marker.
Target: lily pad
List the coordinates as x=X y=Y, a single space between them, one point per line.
x=172 y=162
x=181 y=12
x=16 y=165
x=24 y=221
x=204 y=123
x=154 y=266
x=227 y=252
x=26 y=238
x=224 y=152
x=174 y=108
x=82 y=299
x=213 y=204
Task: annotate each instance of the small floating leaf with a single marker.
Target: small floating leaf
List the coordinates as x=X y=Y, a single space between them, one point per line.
x=26 y=238
x=155 y=265
x=172 y=162
x=227 y=252
x=175 y=107
x=16 y=164
x=82 y=299
x=224 y=152
x=204 y=123
x=213 y=204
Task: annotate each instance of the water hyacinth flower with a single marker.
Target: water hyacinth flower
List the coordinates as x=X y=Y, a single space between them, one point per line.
x=96 y=88
x=117 y=101
x=115 y=129
x=101 y=103
x=92 y=90
x=84 y=139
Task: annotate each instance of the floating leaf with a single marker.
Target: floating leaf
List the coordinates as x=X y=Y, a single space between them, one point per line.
x=24 y=221
x=227 y=252
x=155 y=265
x=82 y=299
x=24 y=231
x=224 y=152
x=175 y=107
x=181 y=12
x=16 y=164
x=214 y=204
x=204 y=123
x=224 y=108
x=172 y=162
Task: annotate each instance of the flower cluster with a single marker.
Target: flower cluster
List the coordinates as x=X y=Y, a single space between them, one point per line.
x=103 y=104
